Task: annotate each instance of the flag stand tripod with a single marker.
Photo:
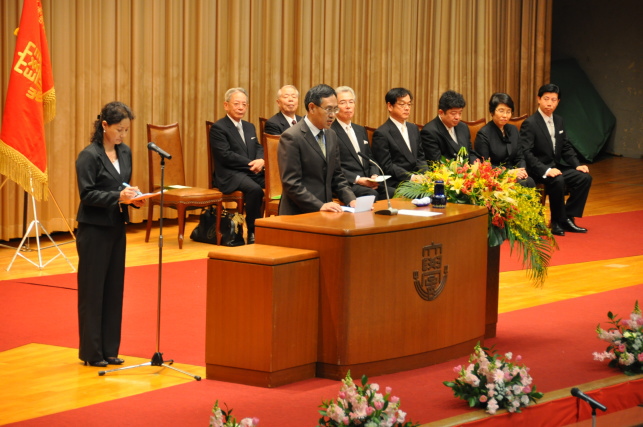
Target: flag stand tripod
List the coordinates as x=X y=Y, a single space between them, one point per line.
x=157 y=358
x=35 y=223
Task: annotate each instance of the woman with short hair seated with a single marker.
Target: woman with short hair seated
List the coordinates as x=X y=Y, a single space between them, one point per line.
x=499 y=142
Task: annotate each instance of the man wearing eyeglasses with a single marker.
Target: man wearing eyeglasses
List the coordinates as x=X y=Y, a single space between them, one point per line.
x=288 y=102
x=396 y=144
x=309 y=161
x=446 y=134
x=238 y=156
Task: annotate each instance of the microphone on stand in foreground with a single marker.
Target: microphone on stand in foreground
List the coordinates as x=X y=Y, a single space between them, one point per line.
x=390 y=210
x=152 y=146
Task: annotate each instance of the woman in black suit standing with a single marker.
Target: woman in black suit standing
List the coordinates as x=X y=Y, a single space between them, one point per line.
x=103 y=170
x=499 y=142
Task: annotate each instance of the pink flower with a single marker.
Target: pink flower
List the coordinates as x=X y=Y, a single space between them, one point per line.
x=640 y=357
x=483 y=398
x=526 y=389
x=518 y=358
x=457 y=369
x=492 y=406
x=621 y=348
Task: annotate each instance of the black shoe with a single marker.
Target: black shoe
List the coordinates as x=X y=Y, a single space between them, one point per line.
x=251 y=238
x=557 y=230
x=569 y=225
x=114 y=361
x=99 y=364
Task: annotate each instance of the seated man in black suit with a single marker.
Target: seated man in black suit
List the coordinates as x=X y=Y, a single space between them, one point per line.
x=288 y=102
x=446 y=134
x=311 y=172
x=238 y=156
x=353 y=140
x=396 y=144
x=545 y=144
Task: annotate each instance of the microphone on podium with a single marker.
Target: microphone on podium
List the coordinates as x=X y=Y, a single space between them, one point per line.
x=390 y=210
x=152 y=146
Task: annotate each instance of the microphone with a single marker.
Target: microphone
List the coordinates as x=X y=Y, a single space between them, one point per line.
x=594 y=404
x=152 y=146
x=390 y=210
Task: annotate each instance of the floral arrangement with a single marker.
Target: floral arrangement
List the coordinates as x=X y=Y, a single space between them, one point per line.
x=221 y=418
x=363 y=406
x=625 y=338
x=515 y=212
x=493 y=382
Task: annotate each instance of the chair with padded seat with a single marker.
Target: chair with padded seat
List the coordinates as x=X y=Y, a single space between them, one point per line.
x=273 y=189
x=182 y=199
x=235 y=196
x=474 y=127
x=517 y=121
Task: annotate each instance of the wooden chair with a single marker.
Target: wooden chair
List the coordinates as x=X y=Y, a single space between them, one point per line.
x=517 y=121
x=262 y=124
x=273 y=177
x=474 y=127
x=235 y=196
x=169 y=139
x=369 y=134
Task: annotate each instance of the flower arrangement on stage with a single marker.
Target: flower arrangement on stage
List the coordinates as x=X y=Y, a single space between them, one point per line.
x=515 y=212
x=363 y=406
x=625 y=338
x=494 y=382
x=221 y=418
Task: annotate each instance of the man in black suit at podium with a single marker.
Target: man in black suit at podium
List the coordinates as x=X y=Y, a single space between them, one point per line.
x=288 y=102
x=545 y=143
x=353 y=140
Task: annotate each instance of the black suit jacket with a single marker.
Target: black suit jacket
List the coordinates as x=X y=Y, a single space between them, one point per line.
x=538 y=148
x=277 y=124
x=500 y=150
x=352 y=164
x=308 y=178
x=100 y=185
x=393 y=155
x=437 y=142
x=231 y=154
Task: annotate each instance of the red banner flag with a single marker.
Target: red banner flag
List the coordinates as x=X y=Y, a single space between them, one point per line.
x=30 y=103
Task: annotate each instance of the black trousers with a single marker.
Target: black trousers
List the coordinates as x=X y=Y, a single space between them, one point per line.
x=101 y=277
x=578 y=183
x=252 y=188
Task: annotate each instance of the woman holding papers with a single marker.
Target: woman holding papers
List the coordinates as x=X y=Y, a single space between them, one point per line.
x=103 y=170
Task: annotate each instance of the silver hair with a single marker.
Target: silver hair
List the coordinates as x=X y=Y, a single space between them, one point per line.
x=285 y=86
x=342 y=89
x=234 y=90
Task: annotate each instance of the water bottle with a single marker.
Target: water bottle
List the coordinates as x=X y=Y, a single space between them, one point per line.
x=439 y=199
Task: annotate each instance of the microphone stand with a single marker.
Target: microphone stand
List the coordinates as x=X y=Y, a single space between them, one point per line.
x=592 y=403
x=390 y=210
x=157 y=358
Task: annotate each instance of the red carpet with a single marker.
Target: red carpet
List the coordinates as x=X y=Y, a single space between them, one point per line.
x=555 y=340
x=617 y=235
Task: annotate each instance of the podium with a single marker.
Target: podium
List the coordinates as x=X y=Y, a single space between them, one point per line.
x=395 y=292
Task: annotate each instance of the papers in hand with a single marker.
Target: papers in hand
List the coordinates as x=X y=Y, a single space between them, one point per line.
x=145 y=196
x=380 y=178
x=363 y=204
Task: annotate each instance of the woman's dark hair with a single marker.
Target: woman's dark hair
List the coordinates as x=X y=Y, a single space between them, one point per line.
x=500 y=98
x=112 y=113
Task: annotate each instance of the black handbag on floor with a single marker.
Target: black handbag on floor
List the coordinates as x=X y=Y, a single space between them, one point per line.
x=232 y=229
x=206 y=230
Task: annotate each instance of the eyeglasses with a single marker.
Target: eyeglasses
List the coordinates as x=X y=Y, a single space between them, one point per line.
x=502 y=111
x=347 y=102
x=240 y=104
x=331 y=110
x=404 y=104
